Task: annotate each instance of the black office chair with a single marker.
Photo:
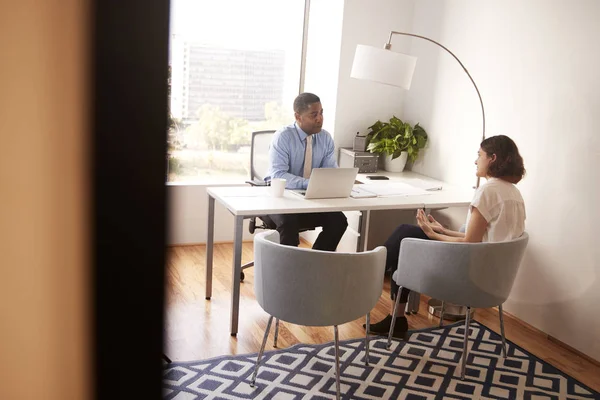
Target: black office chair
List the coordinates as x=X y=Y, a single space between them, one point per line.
x=259 y=166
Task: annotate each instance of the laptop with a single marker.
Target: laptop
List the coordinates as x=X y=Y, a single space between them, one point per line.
x=329 y=183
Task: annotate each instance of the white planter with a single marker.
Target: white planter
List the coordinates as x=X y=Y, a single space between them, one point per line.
x=396 y=165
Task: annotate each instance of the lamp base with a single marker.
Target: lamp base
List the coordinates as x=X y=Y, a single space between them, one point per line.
x=452 y=312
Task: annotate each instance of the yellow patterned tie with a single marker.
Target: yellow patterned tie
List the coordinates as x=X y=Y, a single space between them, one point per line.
x=308 y=157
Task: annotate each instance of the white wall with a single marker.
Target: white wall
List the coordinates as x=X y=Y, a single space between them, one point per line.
x=323 y=55
x=188 y=208
x=536 y=64
x=361 y=103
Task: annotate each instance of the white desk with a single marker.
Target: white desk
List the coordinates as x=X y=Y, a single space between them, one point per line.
x=246 y=202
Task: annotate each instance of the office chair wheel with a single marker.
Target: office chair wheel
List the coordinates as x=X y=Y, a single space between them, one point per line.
x=242 y=276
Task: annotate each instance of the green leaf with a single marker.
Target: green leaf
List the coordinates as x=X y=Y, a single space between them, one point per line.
x=394 y=137
x=397 y=122
x=372 y=146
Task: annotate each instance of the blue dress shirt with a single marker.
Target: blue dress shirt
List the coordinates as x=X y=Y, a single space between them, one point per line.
x=286 y=155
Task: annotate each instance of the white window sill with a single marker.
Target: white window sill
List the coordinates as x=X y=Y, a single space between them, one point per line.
x=199 y=183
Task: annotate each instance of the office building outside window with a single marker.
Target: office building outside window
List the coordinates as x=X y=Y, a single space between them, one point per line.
x=235 y=69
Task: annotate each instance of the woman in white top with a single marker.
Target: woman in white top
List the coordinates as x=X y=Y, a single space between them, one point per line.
x=496 y=214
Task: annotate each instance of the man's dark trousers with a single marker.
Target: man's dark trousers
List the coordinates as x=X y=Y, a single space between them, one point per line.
x=334 y=225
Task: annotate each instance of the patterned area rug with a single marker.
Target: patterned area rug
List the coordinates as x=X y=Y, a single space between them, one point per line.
x=425 y=367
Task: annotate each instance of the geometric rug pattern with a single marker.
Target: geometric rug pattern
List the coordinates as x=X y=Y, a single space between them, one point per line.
x=427 y=366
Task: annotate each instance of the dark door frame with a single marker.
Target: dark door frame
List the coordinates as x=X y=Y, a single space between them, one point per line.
x=129 y=62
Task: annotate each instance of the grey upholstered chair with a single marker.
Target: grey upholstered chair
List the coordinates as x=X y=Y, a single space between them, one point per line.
x=315 y=288
x=475 y=275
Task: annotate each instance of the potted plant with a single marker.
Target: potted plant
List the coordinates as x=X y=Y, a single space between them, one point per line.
x=397 y=141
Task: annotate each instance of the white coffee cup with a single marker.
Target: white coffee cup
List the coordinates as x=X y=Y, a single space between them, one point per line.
x=277 y=187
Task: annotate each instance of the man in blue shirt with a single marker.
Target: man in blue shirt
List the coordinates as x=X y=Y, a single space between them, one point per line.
x=295 y=150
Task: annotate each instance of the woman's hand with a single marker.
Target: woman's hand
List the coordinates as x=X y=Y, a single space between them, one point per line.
x=436 y=226
x=424 y=224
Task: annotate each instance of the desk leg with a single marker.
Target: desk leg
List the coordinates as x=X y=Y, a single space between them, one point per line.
x=363 y=228
x=238 y=228
x=210 y=234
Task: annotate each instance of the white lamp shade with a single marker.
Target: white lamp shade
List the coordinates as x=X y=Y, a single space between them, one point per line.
x=383 y=66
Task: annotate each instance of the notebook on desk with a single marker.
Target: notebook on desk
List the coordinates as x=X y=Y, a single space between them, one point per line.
x=329 y=183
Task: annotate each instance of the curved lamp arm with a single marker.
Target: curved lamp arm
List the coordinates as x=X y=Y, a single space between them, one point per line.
x=388 y=46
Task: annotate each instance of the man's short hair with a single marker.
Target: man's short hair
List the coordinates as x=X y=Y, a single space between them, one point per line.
x=304 y=100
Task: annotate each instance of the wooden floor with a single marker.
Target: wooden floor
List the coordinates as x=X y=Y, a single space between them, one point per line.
x=198 y=329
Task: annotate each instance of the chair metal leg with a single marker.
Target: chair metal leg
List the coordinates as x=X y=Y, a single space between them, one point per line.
x=367 y=339
x=247 y=265
x=501 y=313
x=442 y=314
x=260 y=353
x=337 y=362
x=412 y=305
x=276 y=332
x=389 y=342
x=167 y=359
x=463 y=366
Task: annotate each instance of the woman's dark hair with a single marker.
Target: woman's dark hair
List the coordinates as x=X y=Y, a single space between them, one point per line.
x=509 y=163
x=304 y=100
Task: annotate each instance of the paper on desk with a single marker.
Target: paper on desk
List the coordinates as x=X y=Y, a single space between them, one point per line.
x=389 y=189
x=426 y=185
x=359 y=193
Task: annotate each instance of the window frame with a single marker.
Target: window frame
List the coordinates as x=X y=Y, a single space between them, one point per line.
x=302 y=79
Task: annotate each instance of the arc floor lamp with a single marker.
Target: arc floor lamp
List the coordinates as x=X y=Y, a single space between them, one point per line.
x=396 y=69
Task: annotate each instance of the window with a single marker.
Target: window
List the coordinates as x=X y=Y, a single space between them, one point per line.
x=235 y=69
